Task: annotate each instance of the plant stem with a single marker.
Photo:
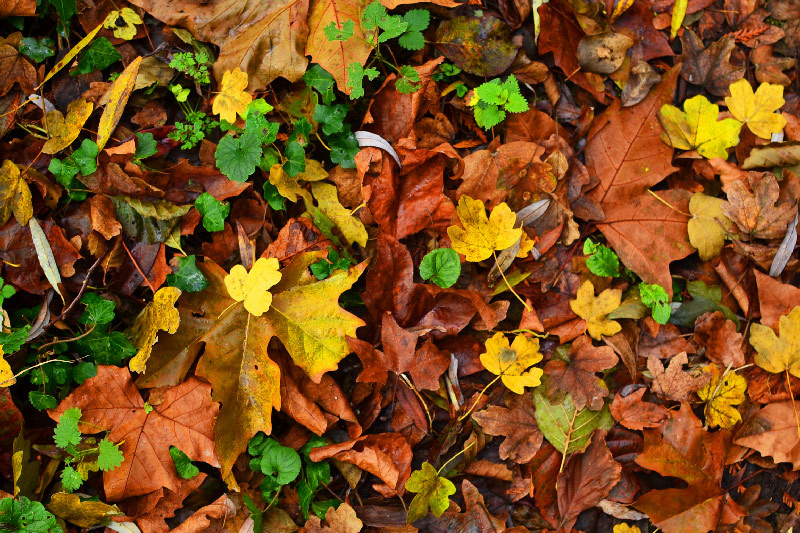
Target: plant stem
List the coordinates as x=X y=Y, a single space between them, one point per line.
x=791 y=395
x=508 y=284
x=465 y=415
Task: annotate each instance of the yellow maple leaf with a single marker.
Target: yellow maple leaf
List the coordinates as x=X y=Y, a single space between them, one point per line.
x=526 y=244
x=757 y=110
x=778 y=353
x=350 y=225
x=708 y=225
x=232 y=98
x=160 y=314
x=123 y=22
x=252 y=287
x=625 y=528
x=6 y=374
x=481 y=237
x=595 y=309
x=513 y=362
x=722 y=394
x=697 y=128
x=289 y=187
x=15 y=195
x=62 y=130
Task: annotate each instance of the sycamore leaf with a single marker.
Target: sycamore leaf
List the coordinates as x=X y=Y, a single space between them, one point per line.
x=697 y=128
x=625 y=528
x=757 y=110
x=432 y=493
x=595 y=309
x=350 y=225
x=123 y=23
x=86 y=514
x=566 y=428
x=673 y=382
x=513 y=362
x=481 y=236
x=232 y=98
x=575 y=373
x=517 y=423
x=119 y=93
x=160 y=314
x=6 y=374
x=15 y=195
x=708 y=225
x=289 y=186
x=778 y=353
x=722 y=394
x=63 y=131
x=252 y=287
x=752 y=205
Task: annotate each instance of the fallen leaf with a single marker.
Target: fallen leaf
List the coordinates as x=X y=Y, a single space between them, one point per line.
x=673 y=382
x=517 y=424
x=513 y=363
x=595 y=309
x=184 y=417
x=63 y=131
x=566 y=428
x=123 y=23
x=697 y=128
x=479 y=44
x=719 y=337
x=774 y=298
x=86 y=514
x=340 y=520
x=709 y=67
x=752 y=206
x=708 y=226
x=221 y=511
x=757 y=110
x=768 y=68
x=481 y=236
x=15 y=195
x=350 y=225
x=778 y=354
x=722 y=394
x=232 y=99
x=772 y=432
x=252 y=287
x=158 y=315
x=575 y=373
x=634 y=413
x=119 y=93
x=477 y=516
x=432 y=492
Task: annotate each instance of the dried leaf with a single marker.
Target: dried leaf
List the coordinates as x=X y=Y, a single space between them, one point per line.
x=673 y=383
x=45 y=254
x=576 y=375
x=158 y=315
x=86 y=514
x=634 y=413
x=15 y=195
x=752 y=206
x=517 y=423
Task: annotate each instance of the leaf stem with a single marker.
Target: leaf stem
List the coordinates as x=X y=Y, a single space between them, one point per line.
x=791 y=395
x=666 y=203
x=471 y=444
x=508 y=283
x=465 y=415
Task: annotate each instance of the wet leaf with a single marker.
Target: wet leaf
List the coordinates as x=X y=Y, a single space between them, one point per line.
x=513 y=362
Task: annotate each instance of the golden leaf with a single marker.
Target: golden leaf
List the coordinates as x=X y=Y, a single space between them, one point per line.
x=778 y=353
x=63 y=131
x=15 y=195
x=87 y=514
x=160 y=314
x=252 y=287
x=708 y=225
x=6 y=374
x=481 y=236
x=232 y=98
x=698 y=129
x=757 y=110
x=722 y=394
x=350 y=225
x=625 y=528
x=120 y=92
x=513 y=362
x=126 y=30
x=595 y=309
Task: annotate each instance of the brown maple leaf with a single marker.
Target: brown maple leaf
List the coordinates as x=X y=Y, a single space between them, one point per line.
x=181 y=416
x=576 y=375
x=517 y=424
x=774 y=298
x=709 y=67
x=772 y=431
x=673 y=382
x=769 y=69
x=340 y=520
x=722 y=342
x=634 y=413
x=752 y=206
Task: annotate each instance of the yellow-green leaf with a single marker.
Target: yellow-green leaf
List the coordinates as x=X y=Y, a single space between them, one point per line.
x=62 y=130
x=481 y=236
x=678 y=14
x=86 y=514
x=15 y=195
x=722 y=394
x=708 y=225
x=757 y=110
x=432 y=491
x=778 y=353
x=350 y=225
x=119 y=93
x=160 y=314
x=44 y=253
x=289 y=187
x=514 y=362
x=232 y=99
x=252 y=287
x=595 y=309
x=698 y=129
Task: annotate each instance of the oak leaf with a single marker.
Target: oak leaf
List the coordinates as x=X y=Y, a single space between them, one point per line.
x=595 y=309
x=513 y=363
x=158 y=315
x=673 y=382
x=481 y=236
x=15 y=195
x=63 y=130
x=252 y=287
x=757 y=110
x=752 y=206
x=183 y=417
x=634 y=413
x=721 y=394
x=517 y=423
x=232 y=99
x=708 y=226
x=575 y=373
x=432 y=492
x=779 y=353
x=697 y=128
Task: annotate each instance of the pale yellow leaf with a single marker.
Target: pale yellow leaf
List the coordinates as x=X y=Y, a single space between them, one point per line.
x=62 y=130
x=595 y=309
x=708 y=225
x=757 y=110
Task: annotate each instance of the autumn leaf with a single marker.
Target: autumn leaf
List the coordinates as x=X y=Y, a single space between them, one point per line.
x=575 y=373
x=252 y=287
x=566 y=428
x=634 y=413
x=517 y=423
x=778 y=353
x=697 y=128
x=481 y=236
x=63 y=131
x=752 y=206
x=595 y=309
x=772 y=432
x=123 y=22
x=15 y=195
x=350 y=225
x=432 y=493
x=6 y=374
x=340 y=520
x=119 y=93
x=232 y=99
x=673 y=382
x=158 y=315
x=87 y=514
x=722 y=394
x=708 y=226
x=513 y=363
x=757 y=110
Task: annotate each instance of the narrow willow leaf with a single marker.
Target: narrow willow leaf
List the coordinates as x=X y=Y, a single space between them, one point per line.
x=120 y=92
x=67 y=59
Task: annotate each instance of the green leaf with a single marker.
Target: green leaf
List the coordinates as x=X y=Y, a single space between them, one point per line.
x=64 y=170
x=301 y=129
x=321 y=269
x=704 y=299
x=489 y=116
x=493 y=98
x=259 y=105
x=37 y=49
x=321 y=80
x=432 y=491
x=70 y=479
x=188 y=278
x=98 y=310
x=146 y=146
x=99 y=55
x=13 y=340
x=64 y=8
x=273 y=197
x=25 y=515
x=42 y=401
x=565 y=428
x=602 y=260
x=417 y=21
x=442 y=266
x=330 y=117
x=258 y=126
x=281 y=462
x=106 y=348
x=109 y=455
x=409 y=80
x=66 y=432
x=344 y=147
x=295 y=159
x=355 y=78
x=237 y=157
x=83 y=371
x=214 y=212
x=183 y=464
x=656 y=298
x=334 y=33
x=7 y=291
x=85 y=157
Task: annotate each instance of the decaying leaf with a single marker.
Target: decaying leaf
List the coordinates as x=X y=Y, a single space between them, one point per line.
x=752 y=206
x=673 y=382
x=63 y=130
x=517 y=423
x=708 y=226
x=15 y=195
x=432 y=492
x=575 y=373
